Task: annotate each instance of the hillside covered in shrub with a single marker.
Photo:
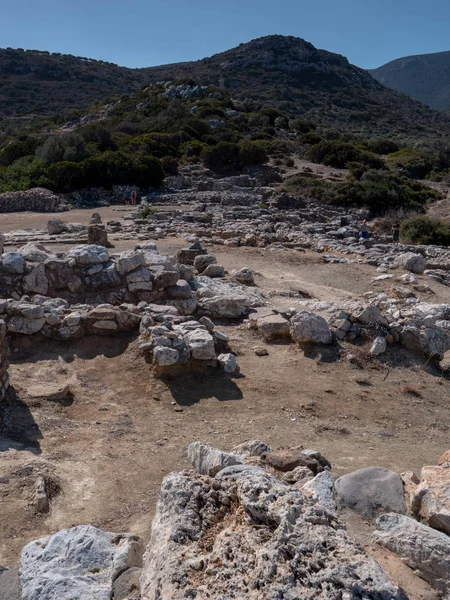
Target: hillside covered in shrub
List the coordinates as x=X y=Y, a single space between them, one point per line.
x=283 y=72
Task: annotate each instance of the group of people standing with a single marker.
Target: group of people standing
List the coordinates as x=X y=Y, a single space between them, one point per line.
x=130 y=196
x=364 y=233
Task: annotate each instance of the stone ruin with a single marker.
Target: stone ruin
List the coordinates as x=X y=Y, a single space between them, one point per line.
x=87 y=291
x=35 y=199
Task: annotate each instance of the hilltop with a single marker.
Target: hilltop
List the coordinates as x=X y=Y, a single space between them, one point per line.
x=425 y=78
x=283 y=72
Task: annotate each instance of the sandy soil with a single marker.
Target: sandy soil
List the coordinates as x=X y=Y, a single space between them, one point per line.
x=124 y=430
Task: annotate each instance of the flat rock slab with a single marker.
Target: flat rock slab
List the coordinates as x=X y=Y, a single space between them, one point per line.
x=371 y=490
x=48 y=391
x=77 y=564
x=419 y=546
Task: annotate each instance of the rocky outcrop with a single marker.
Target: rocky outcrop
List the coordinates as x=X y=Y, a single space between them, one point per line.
x=35 y=199
x=4 y=363
x=82 y=562
x=252 y=536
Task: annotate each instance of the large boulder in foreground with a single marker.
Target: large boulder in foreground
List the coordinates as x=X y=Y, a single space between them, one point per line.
x=252 y=537
x=371 y=490
x=77 y=564
x=308 y=327
x=419 y=546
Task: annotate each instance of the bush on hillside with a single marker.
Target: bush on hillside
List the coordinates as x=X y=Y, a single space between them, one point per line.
x=424 y=230
x=414 y=163
x=336 y=153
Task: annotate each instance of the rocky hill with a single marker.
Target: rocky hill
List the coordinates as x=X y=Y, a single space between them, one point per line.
x=424 y=77
x=39 y=83
x=293 y=75
x=287 y=73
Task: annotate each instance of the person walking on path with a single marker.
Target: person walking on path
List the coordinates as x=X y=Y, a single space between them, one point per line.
x=127 y=195
x=133 y=197
x=396 y=233
x=364 y=230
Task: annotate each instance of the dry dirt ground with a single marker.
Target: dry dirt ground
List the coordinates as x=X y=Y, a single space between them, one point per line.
x=109 y=447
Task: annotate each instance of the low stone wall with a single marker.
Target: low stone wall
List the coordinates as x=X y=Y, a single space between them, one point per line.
x=4 y=363
x=36 y=199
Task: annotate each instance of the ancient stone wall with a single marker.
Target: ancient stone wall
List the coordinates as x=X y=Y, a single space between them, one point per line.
x=4 y=377
x=36 y=199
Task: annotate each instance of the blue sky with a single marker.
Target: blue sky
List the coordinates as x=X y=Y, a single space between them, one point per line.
x=138 y=33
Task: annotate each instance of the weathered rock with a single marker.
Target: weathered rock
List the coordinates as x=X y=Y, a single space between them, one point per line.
x=209 y=461
x=36 y=281
x=181 y=290
x=126 y=586
x=308 y=327
x=56 y=226
x=379 y=346
x=371 y=490
x=321 y=488
x=204 y=260
x=201 y=344
x=81 y=562
x=228 y=362
x=251 y=448
x=165 y=357
x=420 y=547
x=13 y=262
x=48 y=390
x=33 y=252
x=244 y=276
x=214 y=271
x=88 y=254
x=140 y=280
x=411 y=262
x=431 y=499
x=129 y=261
x=97 y=235
x=287 y=459
x=41 y=501
x=273 y=327
x=285 y=546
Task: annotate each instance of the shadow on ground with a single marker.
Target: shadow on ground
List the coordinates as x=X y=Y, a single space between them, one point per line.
x=18 y=429
x=25 y=350
x=189 y=389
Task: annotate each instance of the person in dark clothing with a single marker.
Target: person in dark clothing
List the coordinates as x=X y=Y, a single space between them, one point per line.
x=396 y=233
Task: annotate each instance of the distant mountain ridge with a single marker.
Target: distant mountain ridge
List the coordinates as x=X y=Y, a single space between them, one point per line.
x=284 y=72
x=424 y=77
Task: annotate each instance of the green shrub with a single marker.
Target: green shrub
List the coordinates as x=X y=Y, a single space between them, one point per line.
x=382 y=146
x=336 y=153
x=414 y=163
x=424 y=230
x=223 y=155
x=251 y=153
x=65 y=176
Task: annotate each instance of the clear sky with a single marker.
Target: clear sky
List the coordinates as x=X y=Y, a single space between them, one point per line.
x=140 y=33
